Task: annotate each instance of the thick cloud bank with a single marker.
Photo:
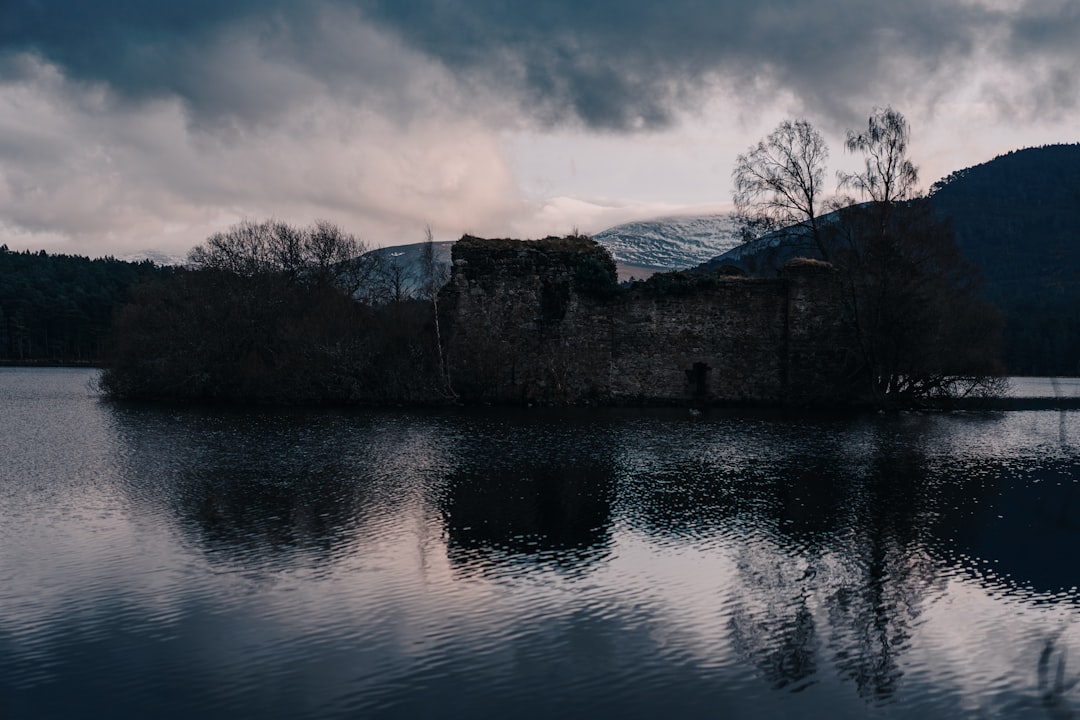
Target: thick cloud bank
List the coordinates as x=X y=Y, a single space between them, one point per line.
x=123 y=122
x=619 y=64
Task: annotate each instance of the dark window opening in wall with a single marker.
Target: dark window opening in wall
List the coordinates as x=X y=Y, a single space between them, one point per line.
x=697 y=378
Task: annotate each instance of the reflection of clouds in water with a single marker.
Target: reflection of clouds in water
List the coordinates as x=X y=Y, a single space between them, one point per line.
x=1020 y=440
x=1044 y=387
x=70 y=543
x=266 y=488
x=975 y=644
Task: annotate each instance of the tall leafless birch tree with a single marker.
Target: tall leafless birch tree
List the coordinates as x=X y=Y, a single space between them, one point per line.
x=779 y=184
x=433 y=275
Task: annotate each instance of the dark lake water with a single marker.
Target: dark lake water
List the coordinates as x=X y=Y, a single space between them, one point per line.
x=182 y=563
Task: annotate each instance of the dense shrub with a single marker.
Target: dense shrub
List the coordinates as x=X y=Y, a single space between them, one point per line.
x=237 y=328
x=676 y=284
x=595 y=274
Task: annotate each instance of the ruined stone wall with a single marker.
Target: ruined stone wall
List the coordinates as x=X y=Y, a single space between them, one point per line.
x=522 y=329
x=817 y=343
x=536 y=322
x=717 y=344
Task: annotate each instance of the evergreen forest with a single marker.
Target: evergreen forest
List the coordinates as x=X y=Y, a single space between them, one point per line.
x=1017 y=218
x=58 y=309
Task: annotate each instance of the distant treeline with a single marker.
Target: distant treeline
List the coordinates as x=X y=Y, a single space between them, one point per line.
x=59 y=308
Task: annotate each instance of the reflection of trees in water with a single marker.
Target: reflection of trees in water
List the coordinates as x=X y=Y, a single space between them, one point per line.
x=782 y=565
x=872 y=605
x=870 y=570
x=1054 y=681
x=256 y=489
x=278 y=511
x=776 y=630
x=883 y=570
x=830 y=529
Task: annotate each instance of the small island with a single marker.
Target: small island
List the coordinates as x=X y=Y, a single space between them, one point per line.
x=528 y=322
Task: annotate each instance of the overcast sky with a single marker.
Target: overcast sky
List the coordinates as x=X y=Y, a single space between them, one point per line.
x=128 y=125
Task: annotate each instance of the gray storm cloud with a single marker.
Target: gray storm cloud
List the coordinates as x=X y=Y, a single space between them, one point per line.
x=620 y=64
x=127 y=124
x=607 y=64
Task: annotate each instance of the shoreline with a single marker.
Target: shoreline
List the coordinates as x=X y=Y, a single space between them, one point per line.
x=1007 y=403
x=89 y=364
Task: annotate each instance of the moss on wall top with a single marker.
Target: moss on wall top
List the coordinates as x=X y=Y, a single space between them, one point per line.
x=589 y=265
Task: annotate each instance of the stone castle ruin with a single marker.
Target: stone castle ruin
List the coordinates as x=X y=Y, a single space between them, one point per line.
x=545 y=322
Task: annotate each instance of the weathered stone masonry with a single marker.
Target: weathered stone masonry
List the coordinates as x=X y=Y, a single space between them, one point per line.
x=529 y=322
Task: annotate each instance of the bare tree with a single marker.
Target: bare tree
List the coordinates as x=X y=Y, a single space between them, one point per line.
x=395 y=282
x=286 y=249
x=244 y=249
x=888 y=175
x=320 y=254
x=433 y=276
x=778 y=184
x=919 y=328
x=338 y=257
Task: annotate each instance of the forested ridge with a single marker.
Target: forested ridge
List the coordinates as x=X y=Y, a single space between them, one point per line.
x=59 y=308
x=1017 y=217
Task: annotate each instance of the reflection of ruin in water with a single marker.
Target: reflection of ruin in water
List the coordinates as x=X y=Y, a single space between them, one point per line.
x=545 y=515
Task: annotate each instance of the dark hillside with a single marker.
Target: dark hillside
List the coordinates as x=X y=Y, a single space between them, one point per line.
x=1018 y=218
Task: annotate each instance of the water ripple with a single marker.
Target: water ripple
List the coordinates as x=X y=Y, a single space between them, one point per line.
x=183 y=562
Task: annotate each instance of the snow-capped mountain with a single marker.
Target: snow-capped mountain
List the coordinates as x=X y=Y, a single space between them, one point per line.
x=673 y=243
x=639 y=248
x=156 y=256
